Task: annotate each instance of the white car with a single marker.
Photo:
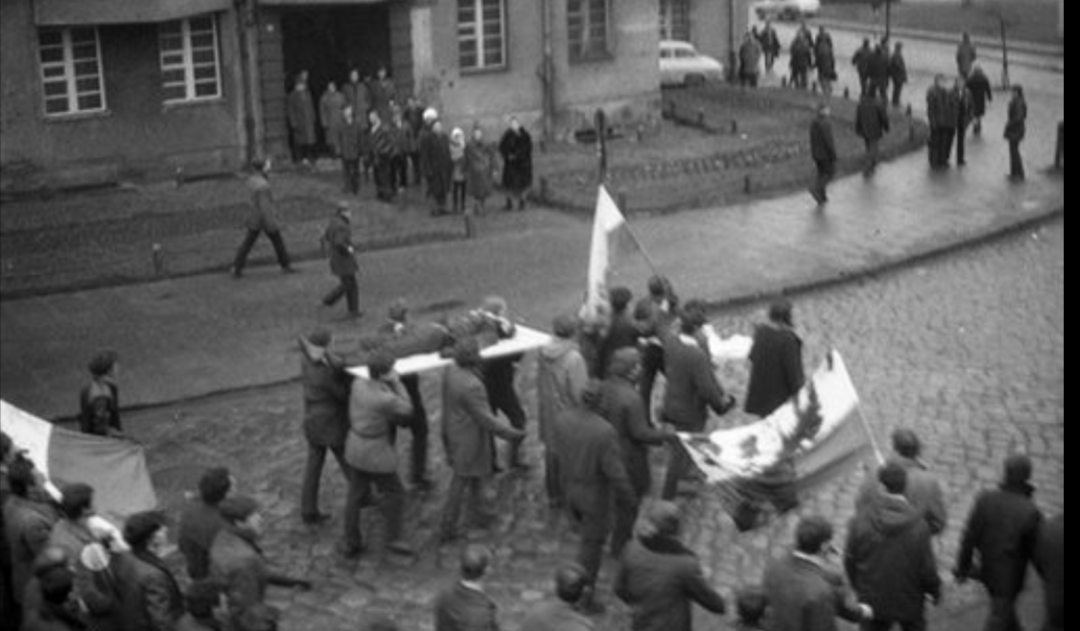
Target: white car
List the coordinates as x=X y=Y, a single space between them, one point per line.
x=682 y=64
x=786 y=9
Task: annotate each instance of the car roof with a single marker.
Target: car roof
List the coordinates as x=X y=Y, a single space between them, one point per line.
x=675 y=43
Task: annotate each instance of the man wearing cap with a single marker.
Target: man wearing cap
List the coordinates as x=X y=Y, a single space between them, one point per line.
x=376 y=404
x=464 y=606
x=561 y=377
x=469 y=428
x=803 y=593
x=889 y=559
x=99 y=406
x=571 y=585
x=620 y=404
x=1003 y=529
x=261 y=219
x=201 y=521
x=594 y=479
x=660 y=578
x=326 y=410
x=338 y=237
x=923 y=490
x=150 y=597
x=776 y=365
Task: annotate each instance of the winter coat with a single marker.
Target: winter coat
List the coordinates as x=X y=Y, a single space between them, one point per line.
x=326 y=396
x=99 y=408
x=300 y=114
x=938 y=109
x=237 y=561
x=825 y=60
x=622 y=332
x=468 y=424
x=97 y=590
x=1050 y=562
x=770 y=42
x=776 y=369
x=338 y=238
x=516 y=152
x=479 y=169
x=822 y=144
x=965 y=58
x=621 y=405
x=591 y=464
x=871 y=119
x=435 y=162
x=331 y=105
x=898 y=69
x=801 y=55
x=358 y=97
x=1003 y=527
x=263 y=212
x=556 y=615
x=457 y=158
x=561 y=377
x=461 y=608
x=382 y=93
x=374 y=408
x=877 y=66
x=659 y=578
x=861 y=60
x=199 y=524
x=1016 y=127
x=749 y=56
x=150 y=598
x=923 y=492
x=981 y=94
x=380 y=142
x=27 y=525
x=804 y=596
x=890 y=561
x=352 y=140
x=691 y=385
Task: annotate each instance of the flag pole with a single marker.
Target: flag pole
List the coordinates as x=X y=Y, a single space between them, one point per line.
x=873 y=441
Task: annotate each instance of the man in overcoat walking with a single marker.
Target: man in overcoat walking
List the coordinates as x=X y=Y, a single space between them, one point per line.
x=776 y=365
x=823 y=152
x=338 y=237
x=261 y=219
x=871 y=124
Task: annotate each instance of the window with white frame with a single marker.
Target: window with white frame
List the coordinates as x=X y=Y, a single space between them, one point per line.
x=587 y=29
x=71 y=78
x=481 y=34
x=189 y=59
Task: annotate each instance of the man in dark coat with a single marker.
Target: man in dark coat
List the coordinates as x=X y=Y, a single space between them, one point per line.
x=770 y=45
x=414 y=119
x=99 y=400
x=55 y=611
x=825 y=60
x=381 y=152
x=803 y=594
x=897 y=72
x=468 y=430
x=981 y=94
x=352 y=143
x=357 y=96
x=776 y=366
x=301 y=116
x=200 y=601
x=594 y=479
x=962 y=96
x=861 y=61
x=1015 y=130
x=622 y=332
x=1049 y=560
x=749 y=61
x=338 y=237
x=871 y=124
x=27 y=523
x=464 y=606
x=326 y=403
x=261 y=219
x=889 y=558
x=692 y=389
x=801 y=54
x=621 y=406
x=654 y=315
x=877 y=69
x=660 y=578
x=571 y=585
x=200 y=522
x=923 y=490
x=823 y=152
x=150 y=597
x=941 y=111
x=965 y=55
x=398 y=327
x=435 y=160
x=1002 y=528
x=515 y=147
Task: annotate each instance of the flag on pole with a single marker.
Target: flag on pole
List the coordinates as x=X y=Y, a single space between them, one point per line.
x=116 y=469
x=608 y=223
x=817 y=436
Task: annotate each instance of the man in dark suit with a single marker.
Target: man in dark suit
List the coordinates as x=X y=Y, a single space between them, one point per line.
x=262 y=218
x=776 y=365
x=326 y=411
x=338 y=237
x=464 y=606
x=200 y=522
x=889 y=558
x=660 y=578
x=594 y=480
x=1002 y=528
x=823 y=152
x=150 y=597
x=803 y=594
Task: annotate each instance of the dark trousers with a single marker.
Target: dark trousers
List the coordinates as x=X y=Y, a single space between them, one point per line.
x=465 y=490
x=418 y=172
x=799 y=78
x=399 y=171
x=652 y=363
x=1016 y=161
x=748 y=79
x=249 y=242
x=770 y=59
x=880 y=87
x=350 y=169
x=346 y=287
x=897 y=88
x=679 y=463
x=503 y=397
x=825 y=171
x=945 y=147
x=552 y=480
x=418 y=425
x=871 y=153
x=595 y=523
x=888 y=625
x=625 y=517
x=864 y=83
x=1002 y=616
x=384 y=185
x=392 y=503
x=457 y=196
x=309 y=490
x=960 y=133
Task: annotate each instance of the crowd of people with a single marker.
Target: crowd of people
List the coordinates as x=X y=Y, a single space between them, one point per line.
x=596 y=423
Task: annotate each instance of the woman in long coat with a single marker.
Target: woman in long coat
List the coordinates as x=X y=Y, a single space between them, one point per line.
x=301 y=117
x=479 y=169
x=516 y=150
x=435 y=160
x=331 y=112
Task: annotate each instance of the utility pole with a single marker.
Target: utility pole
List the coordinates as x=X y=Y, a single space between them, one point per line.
x=888 y=20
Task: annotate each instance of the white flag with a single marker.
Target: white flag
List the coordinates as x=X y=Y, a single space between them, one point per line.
x=606 y=224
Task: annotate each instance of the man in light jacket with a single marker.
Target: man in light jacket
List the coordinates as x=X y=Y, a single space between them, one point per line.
x=561 y=378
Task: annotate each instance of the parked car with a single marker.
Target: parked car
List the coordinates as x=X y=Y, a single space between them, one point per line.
x=682 y=64
x=786 y=9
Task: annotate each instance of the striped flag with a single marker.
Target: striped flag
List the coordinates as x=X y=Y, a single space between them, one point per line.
x=813 y=438
x=116 y=469
x=608 y=223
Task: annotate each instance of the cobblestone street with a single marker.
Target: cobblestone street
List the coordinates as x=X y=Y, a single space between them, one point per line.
x=967 y=350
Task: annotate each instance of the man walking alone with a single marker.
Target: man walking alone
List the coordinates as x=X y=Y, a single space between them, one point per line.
x=261 y=219
x=338 y=237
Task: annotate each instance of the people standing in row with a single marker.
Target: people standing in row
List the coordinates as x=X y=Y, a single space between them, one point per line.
x=383 y=93
x=262 y=218
x=515 y=147
x=300 y=115
x=357 y=96
x=326 y=404
x=399 y=152
x=457 y=171
x=331 y=107
x=823 y=152
x=770 y=45
x=871 y=124
x=749 y=61
x=981 y=94
x=338 y=239
x=897 y=73
x=1015 y=129
x=352 y=144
